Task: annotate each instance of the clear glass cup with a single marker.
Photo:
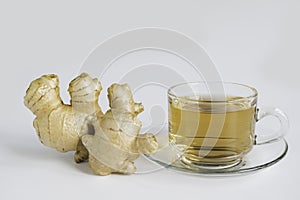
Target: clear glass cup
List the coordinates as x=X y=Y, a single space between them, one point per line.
x=212 y=124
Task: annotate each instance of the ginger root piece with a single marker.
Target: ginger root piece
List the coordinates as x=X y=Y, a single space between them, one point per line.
x=58 y=125
x=109 y=142
x=116 y=142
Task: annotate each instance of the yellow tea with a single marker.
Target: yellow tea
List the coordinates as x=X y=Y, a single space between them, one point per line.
x=211 y=133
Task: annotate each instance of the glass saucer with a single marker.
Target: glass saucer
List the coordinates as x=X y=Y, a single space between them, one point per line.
x=260 y=157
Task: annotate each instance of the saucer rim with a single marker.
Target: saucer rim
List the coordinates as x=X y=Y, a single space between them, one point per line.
x=226 y=172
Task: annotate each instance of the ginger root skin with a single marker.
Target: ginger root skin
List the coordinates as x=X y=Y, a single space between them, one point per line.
x=60 y=125
x=117 y=142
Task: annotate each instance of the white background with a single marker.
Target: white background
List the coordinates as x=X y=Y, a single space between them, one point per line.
x=252 y=42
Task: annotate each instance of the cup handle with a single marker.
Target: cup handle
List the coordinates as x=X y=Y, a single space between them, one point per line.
x=277 y=135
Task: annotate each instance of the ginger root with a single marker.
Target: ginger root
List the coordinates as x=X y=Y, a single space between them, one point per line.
x=117 y=143
x=109 y=142
x=58 y=125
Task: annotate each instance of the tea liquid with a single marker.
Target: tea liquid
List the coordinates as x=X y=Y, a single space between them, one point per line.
x=210 y=132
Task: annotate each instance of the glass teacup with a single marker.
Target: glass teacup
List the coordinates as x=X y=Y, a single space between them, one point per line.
x=212 y=124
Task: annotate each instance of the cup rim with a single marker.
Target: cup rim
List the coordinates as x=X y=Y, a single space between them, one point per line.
x=253 y=95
